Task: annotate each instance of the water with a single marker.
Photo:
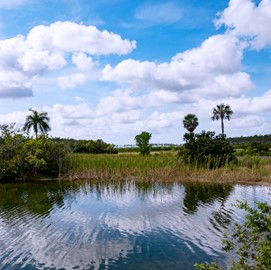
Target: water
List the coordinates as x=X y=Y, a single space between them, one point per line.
x=119 y=225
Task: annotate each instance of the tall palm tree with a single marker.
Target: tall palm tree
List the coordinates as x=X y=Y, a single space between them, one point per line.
x=222 y=112
x=37 y=121
x=190 y=122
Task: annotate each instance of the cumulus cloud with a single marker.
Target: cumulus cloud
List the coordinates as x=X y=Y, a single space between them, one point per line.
x=46 y=48
x=82 y=61
x=162 y=13
x=119 y=101
x=207 y=70
x=248 y=121
x=71 y=81
x=71 y=37
x=246 y=19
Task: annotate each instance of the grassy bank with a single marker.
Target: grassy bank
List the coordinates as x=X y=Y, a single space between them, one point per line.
x=162 y=167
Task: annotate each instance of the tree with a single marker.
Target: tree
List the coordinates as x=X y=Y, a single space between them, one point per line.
x=142 y=141
x=206 y=150
x=37 y=121
x=190 y=122
x=222 y=112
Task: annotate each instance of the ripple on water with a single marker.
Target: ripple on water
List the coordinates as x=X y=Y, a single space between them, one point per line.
x=169 y=227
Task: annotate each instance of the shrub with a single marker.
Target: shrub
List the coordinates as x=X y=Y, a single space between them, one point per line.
x=22 y=158
x=206 y=150
x=256 y=149
x=251 y=240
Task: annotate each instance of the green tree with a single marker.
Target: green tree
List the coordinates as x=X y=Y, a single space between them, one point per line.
x=222 y=112
x=190 y=122
x=37 y=121
x=251 y=240
x=142 y=141
x=24 y=158
x=206 y=150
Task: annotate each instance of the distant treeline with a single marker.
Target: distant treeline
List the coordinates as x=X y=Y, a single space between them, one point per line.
x=88 y=146
x=250 y=139
x=101 y=147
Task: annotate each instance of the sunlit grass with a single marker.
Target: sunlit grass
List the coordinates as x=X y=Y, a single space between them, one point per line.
x=162 y=167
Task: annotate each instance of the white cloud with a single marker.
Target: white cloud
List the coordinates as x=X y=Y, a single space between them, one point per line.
x=119 y=101
x=246 y=19
x=71 y=37
x=48 y=48
x=80 y=99
x=159 y=13
x=82 y=61
x=71 y=81
x=10 y=4
x=130 y=113
x=208 y=70
x=248 y=121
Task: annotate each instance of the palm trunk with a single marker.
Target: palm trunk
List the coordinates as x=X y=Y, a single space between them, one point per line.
x=222 y=127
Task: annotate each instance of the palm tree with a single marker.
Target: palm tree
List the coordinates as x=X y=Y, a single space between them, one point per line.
x=190 y=122
x=222 y=112
x=37 y=121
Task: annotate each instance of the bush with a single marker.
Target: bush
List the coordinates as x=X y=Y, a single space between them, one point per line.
x=93 y=147
x=251 y=241
x=206 y=150
x=23 y=158
x=256 y=149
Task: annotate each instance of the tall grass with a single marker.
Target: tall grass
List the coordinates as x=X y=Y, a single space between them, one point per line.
x=163 y=167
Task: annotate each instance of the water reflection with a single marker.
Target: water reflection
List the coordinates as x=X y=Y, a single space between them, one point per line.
x=117 y=225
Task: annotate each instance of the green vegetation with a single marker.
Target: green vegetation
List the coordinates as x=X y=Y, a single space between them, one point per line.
x=222 y=112
x=255 y=149
x=244 y=140
x=88 y=146
x=24 y=158
x=37 y=121
x=251 y=240
x=190 y=122
x=163 y=166
x=203 y=157
x=143 y=142
x=115 y=167
x=206 y=150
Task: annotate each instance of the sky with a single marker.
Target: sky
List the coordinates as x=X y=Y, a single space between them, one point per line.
x=110 y=69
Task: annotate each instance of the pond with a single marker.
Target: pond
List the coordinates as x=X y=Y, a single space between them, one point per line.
x=117 y=225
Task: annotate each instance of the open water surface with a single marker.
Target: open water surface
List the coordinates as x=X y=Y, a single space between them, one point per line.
x=117 y=225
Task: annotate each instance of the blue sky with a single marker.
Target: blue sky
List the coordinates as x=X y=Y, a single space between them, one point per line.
x=110 y=69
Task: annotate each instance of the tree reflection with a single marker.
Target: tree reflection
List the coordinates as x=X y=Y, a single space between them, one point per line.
x=38 y=198
x=199 y=193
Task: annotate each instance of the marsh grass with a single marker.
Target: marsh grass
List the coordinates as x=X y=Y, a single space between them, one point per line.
x=163 y=167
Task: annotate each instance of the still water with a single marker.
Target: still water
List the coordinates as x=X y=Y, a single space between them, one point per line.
x=118 y=225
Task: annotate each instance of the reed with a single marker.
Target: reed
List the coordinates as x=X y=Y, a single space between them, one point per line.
x=163 y=167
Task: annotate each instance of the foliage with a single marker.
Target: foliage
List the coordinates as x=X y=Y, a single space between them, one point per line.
x=142 y=141
x=251 y=240
x=243 y=140
x=24 y=158
x=206 y=150
x=37 y=121
x=256 y=149
x=222 y=112
x=190 y=122
x=89 y=146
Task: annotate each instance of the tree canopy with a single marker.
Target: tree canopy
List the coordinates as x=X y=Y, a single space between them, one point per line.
x=190 y=122
x=222 y=112
x=38 y=121
x=143 y=142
